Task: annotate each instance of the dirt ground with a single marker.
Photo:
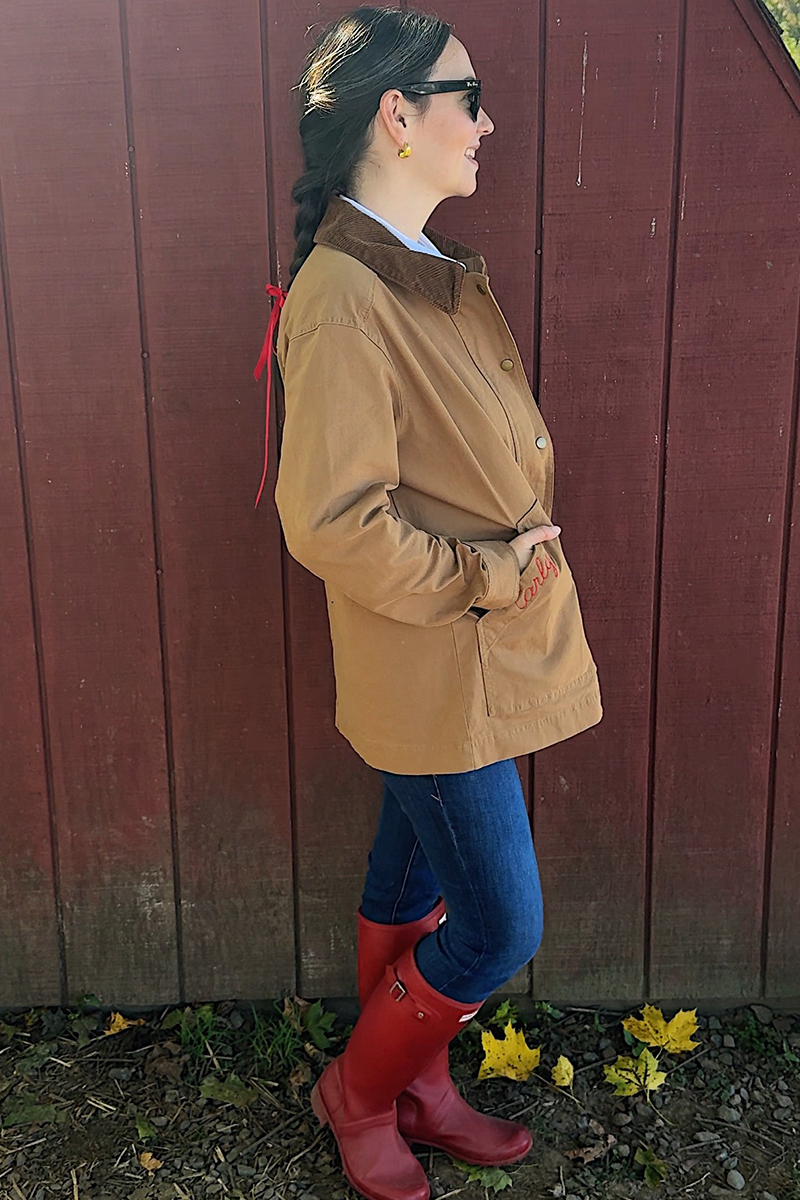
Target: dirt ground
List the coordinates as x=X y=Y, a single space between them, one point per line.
x=213 y=1101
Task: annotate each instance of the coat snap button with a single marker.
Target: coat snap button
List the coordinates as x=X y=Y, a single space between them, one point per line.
x=541 y=442
x=481 y=289
x=507 y=364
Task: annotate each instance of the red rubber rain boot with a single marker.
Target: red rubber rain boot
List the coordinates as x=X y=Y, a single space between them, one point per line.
x=404 y=1023
x=431 y=1110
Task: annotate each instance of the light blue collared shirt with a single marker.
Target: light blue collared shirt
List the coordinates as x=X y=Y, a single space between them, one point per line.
x=424 y=245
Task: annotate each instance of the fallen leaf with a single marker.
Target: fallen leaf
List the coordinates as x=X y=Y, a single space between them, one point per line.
x=149 y=1161
x=24 y=1109
x=632 y=1075
x=588 y=1154
x=228 y=1091
x=510 y=1057
x=144 y=1128
x=674 y=1035
x=116 y=1023
x=655 y=1169
x=162 y=1061
x=300 y=1075
x=563 y=1072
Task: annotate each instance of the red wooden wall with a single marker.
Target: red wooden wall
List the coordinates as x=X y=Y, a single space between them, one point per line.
x=180 y=818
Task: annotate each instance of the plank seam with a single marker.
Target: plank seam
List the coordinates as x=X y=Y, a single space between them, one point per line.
x=271 y=234
x=669 y=321
x=783 y=584
x=157 y=547
x=35 y=616
x=538 y=266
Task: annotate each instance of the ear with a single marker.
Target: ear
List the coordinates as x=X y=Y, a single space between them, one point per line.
x=391 y=114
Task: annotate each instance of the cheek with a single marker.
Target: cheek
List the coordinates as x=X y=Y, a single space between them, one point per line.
x=450 y=138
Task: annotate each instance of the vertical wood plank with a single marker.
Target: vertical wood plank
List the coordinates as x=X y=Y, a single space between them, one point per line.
x=30 y=969
x=200 y=181
x=72 y=280
x=730 y=410
x=606 y=263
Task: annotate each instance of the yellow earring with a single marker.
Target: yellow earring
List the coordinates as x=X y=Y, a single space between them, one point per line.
x=404 y=153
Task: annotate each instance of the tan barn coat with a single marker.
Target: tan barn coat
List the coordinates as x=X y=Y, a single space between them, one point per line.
x=412 y=452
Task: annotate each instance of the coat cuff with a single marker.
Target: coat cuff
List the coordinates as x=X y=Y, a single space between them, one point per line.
x=502 y=568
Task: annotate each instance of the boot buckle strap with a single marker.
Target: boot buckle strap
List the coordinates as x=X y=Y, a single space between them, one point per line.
x=397 y=984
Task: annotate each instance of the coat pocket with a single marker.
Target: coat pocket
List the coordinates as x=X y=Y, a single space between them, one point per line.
x=534 y=650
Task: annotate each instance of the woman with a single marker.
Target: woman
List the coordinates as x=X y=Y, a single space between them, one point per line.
x=416 y=480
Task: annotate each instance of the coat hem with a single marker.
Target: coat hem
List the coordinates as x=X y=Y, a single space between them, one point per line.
x=426 y=758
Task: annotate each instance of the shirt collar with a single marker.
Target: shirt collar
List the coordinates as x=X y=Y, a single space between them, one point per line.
x=348 y=229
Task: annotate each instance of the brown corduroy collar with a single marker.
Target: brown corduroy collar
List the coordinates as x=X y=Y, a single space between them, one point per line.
x=346 y=228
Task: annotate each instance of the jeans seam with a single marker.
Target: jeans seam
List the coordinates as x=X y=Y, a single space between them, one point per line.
x=405 y=880
x=451 y=831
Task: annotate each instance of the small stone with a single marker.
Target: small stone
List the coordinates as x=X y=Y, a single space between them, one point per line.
x=735 y=1179
x=623 y=1149
x=729 y=1040
x=782 y=1085
x=622 y=1118
x=768 y=1196
x=245 y=1171
x=123 y=1074
x=782 y=1023
x=706 y=1135
x=728 y=1114
x=716 y=1039
x=714 y=1190
x=794 y=1040
x=743 y=1092
x=783 y=1100
x=763 y=1014
x=160 y=1122
x=714 y=1023
x=726 y=1058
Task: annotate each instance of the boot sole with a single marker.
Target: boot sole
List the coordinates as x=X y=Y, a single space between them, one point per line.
x=475 y=1162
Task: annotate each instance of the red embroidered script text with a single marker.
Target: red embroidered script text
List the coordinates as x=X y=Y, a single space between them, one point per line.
x=541 y=571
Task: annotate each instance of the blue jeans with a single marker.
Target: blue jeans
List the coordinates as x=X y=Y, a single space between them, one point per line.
x=465 y=836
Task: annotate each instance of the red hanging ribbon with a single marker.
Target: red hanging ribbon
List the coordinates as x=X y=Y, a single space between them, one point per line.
x=265 y=358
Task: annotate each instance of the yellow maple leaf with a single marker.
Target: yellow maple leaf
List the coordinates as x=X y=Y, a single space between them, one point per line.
x=562 y=1072
x=674 y=1035
x=149 y=1161
x=510 y=1057
x=116 y=1023
x=632 y=1075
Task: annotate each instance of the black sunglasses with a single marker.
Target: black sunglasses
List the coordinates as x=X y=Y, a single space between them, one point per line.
x=471 y=86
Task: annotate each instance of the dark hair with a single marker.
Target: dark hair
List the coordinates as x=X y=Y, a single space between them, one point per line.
x=356 y=59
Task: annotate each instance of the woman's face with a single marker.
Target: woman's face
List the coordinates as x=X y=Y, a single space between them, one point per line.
x=441 y=138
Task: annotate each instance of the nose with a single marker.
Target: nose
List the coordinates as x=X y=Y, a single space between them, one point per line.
x=487 y=124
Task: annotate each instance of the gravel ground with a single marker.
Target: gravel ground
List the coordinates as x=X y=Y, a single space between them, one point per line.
x=152 y=1111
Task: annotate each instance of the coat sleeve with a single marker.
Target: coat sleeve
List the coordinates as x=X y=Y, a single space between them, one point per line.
x=338 y=464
